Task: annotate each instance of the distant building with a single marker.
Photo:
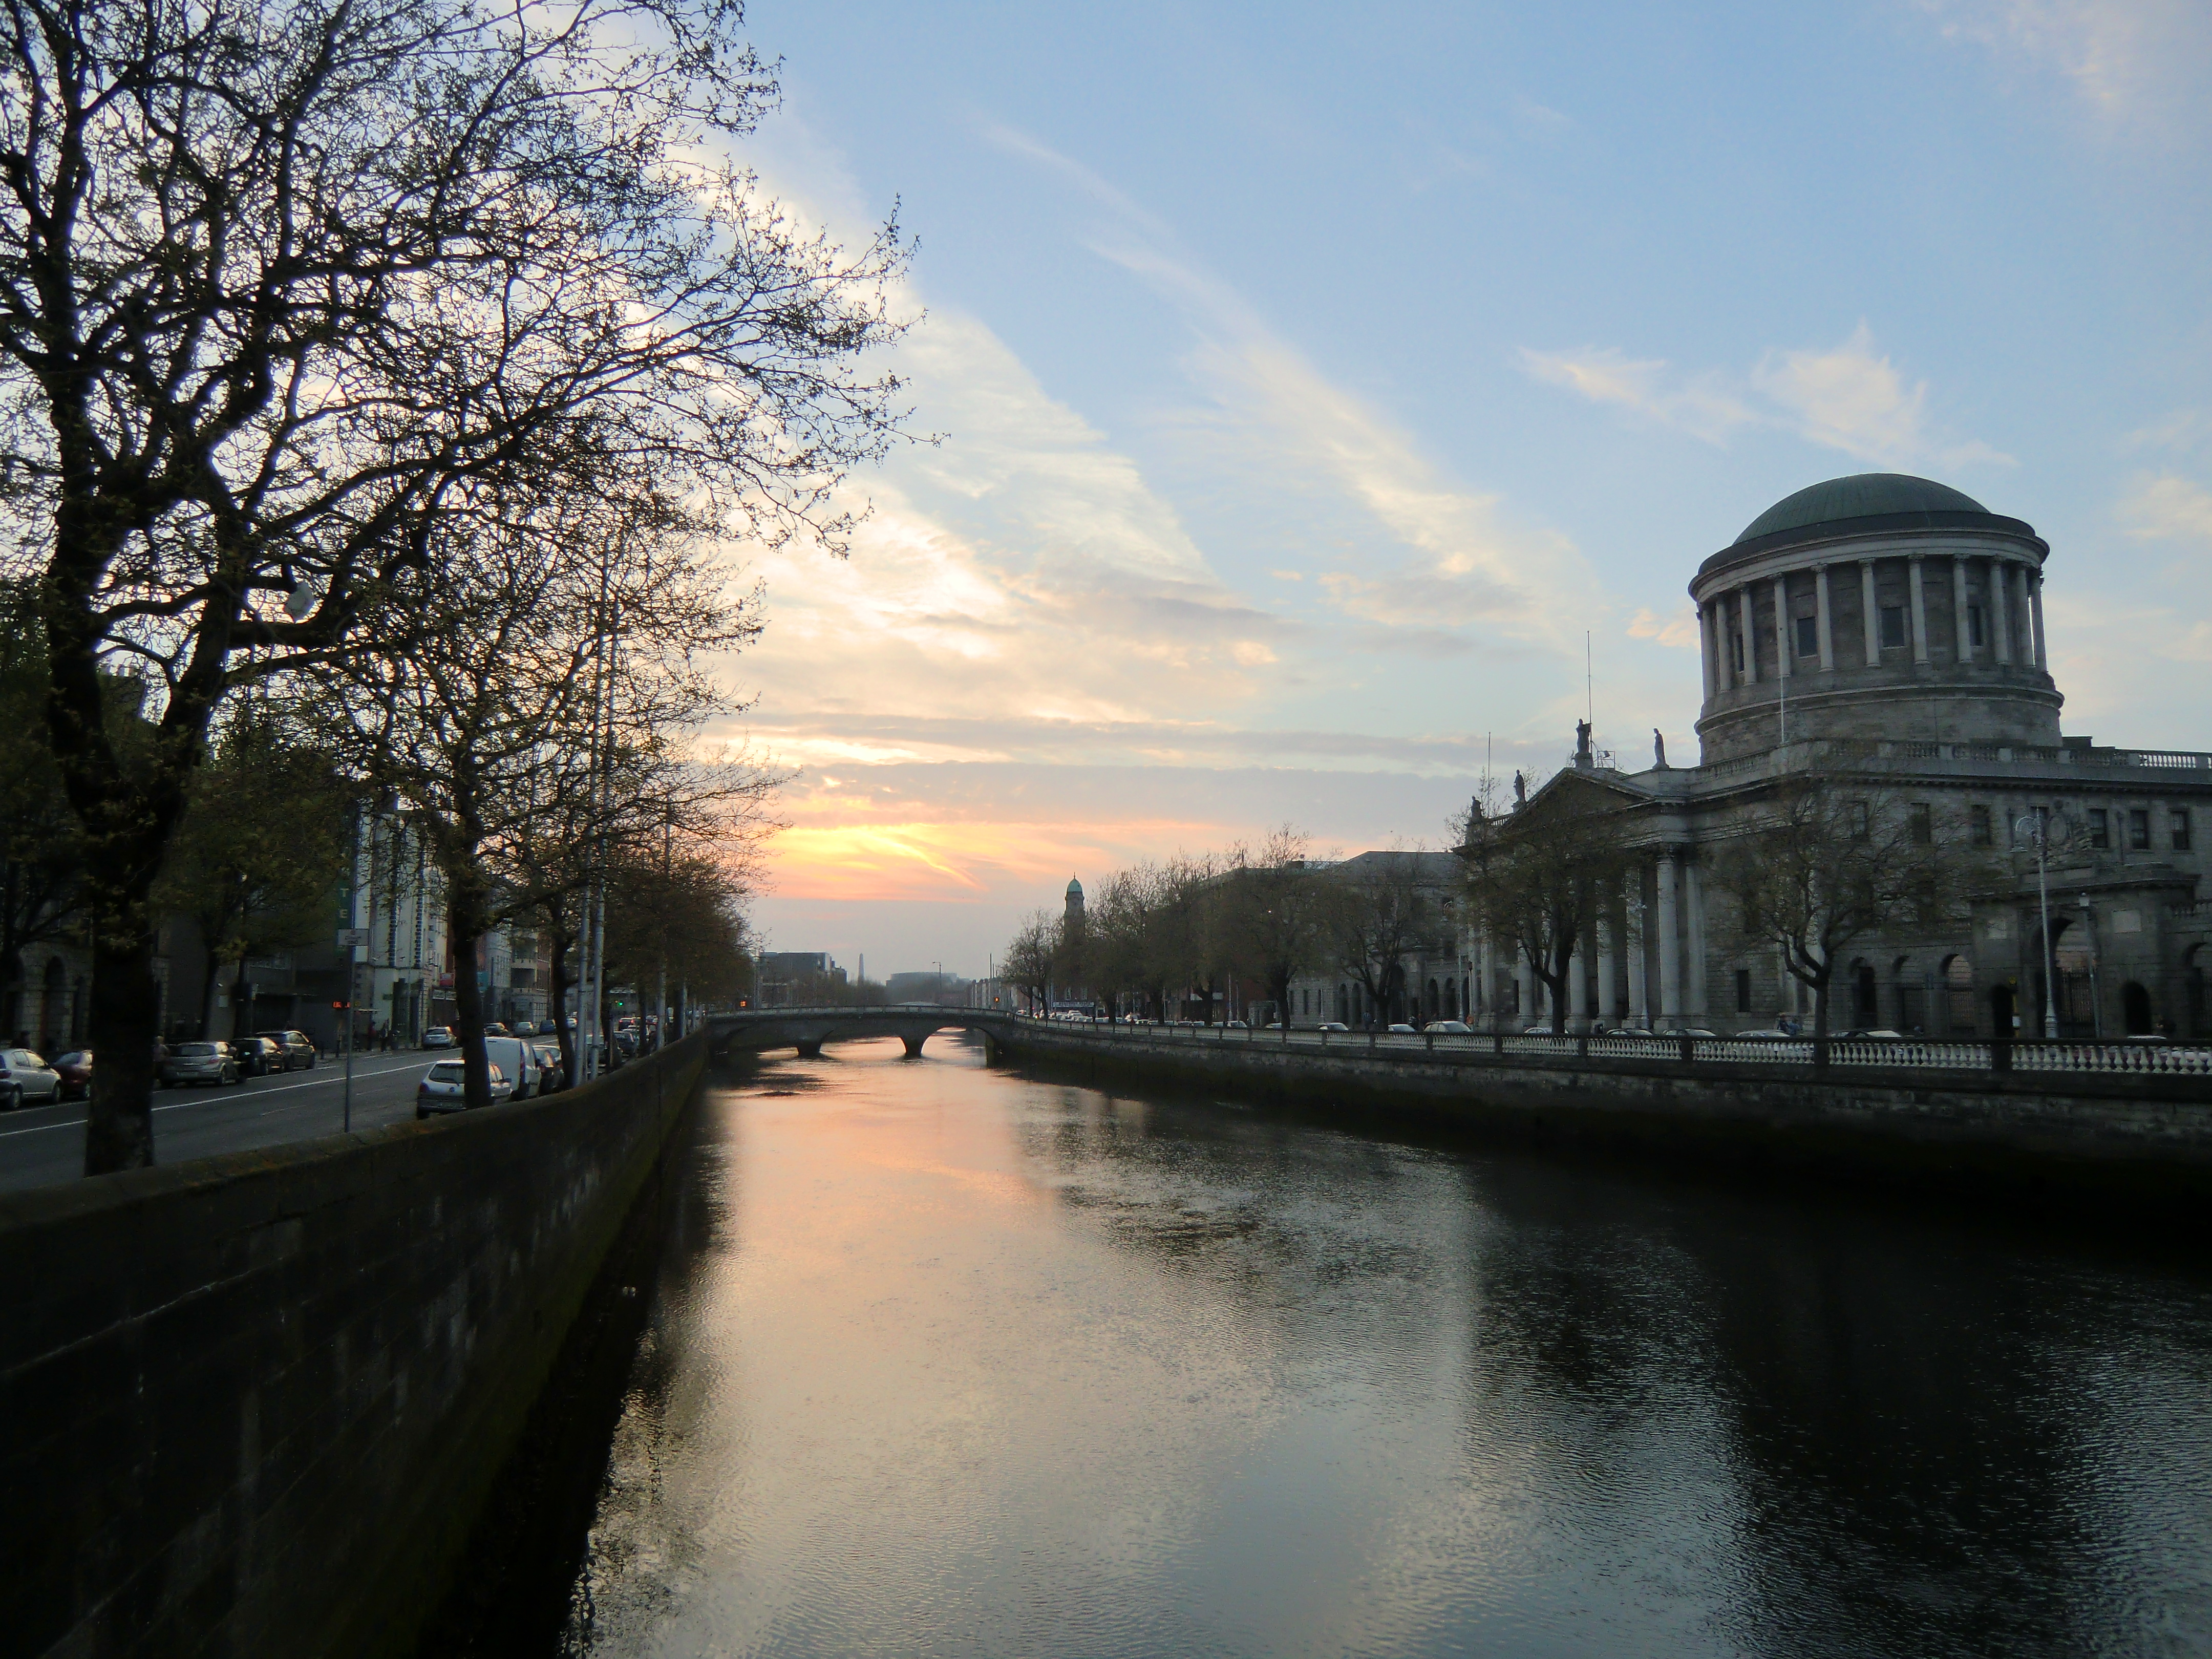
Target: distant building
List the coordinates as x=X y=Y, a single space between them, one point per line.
x=789 y=979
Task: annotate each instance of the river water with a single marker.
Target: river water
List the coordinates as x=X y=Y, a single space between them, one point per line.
x=944 y=1360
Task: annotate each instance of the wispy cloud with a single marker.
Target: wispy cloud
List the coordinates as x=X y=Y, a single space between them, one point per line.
x=2130 y=61
x=2160 y=506
x=1678 y=631
x=1467 y=561
x=1849 y=396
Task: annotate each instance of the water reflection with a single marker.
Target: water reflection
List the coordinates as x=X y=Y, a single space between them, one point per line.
x=945 y=1360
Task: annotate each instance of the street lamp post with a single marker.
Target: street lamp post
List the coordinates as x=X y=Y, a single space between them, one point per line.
x=2037 y=828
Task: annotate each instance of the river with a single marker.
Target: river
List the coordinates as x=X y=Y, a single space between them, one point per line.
x=948 y=1360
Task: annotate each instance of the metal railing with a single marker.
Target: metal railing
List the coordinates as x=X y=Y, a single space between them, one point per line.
x=1908 y=1054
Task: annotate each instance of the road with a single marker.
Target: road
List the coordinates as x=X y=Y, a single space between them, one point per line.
x=45 y=1144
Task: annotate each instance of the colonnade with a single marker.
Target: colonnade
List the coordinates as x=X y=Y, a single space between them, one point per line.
x=1649 y=955
x=2012 y=625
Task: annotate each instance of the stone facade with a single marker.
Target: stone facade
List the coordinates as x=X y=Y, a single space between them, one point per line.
x=1891 y=630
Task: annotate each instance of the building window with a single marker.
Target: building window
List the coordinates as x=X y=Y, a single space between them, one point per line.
x=2179 y=822
x=2100 y=827
x=1893 y=627
x=1979 y=819
x=1743 y=990
x=2139 y=829
x=1974 y=626
x=1922 y=823
x=1856 y=819
x=1808 y=636
x=1735 y=651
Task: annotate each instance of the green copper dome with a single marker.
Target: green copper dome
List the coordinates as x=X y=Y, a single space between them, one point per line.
x=1862 y=496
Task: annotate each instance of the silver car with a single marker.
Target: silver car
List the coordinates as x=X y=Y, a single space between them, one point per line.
x=443 y=1089
x=202 y=1062
x=25 y=1078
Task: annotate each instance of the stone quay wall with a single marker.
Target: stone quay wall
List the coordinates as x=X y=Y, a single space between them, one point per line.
x=253 y=1403
x=2141 y=1145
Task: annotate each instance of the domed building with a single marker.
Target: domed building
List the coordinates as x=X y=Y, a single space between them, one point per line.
x=1887 y=632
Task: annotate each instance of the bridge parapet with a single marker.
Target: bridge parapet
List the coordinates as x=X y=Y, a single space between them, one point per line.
x=754 y=1030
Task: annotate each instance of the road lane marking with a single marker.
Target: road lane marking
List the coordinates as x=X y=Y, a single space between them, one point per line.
x=217 y=1099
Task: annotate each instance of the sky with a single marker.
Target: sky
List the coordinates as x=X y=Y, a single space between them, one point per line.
x=1329 y=403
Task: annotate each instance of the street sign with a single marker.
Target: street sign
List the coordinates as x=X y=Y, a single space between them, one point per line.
x=352 y=937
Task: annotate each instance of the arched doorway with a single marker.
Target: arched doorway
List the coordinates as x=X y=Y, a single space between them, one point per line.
x=2134 y=1008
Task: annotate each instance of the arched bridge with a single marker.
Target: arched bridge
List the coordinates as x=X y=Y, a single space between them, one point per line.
x=807 y=1028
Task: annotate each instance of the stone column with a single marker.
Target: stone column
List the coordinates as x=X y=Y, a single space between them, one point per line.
x=1869 y=619
x=1919 y=610
x=1693 y=918
x=1669 y=942
x=1605 y=956
x=1750 y=675
x=1784 y=645
x=1705 y=652
x=1828 y=626
x=1487 y=987
x=1633 y=933
x=1962 y=638
x=2001 y=607
x=1577 y=971
x=1524 y=984
x=2035 y=614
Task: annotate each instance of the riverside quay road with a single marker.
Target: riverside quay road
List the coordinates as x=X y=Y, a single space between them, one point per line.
x=945 y=1359
x=45 y=1144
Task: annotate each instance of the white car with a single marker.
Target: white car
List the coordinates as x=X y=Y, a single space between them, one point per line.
x=25 y=1078
x=1452 y=1027
x=1403 y=1029
x=443 y=1089
x=438 y=1036
x=1332 y=1025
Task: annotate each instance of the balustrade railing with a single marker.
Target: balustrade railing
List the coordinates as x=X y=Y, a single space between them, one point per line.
x=1905 y=1053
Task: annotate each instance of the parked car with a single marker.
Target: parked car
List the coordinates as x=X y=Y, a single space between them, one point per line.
x=1452 y=1027
x=201 y=1062
x=526 y=1027
x=438 y=1036
x=550 y=1073
x=514 y=1057
x=495 y=1029
x=257 y=1056
x=26 y=1079
x=299 y=1048
x=76 y=1070
x=443 y=1089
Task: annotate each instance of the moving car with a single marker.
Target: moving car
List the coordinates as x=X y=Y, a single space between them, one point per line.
x=551 y=1075
x=1452 y=1027
x=76 y=1070
x=514 y=1057
x=438 y=1036
x=299 y=1048
x=1403 y=1029
x=1332 y=1025
x=495 y=1029
x=1879 y=1034
x=444 y=1089
x=201 y=1062
x=26 y=1079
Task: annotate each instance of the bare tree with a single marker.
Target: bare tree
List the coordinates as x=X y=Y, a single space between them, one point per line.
x=1274 y=914
x=1532 y=881
x=1031 y=956
x=542 y=620
x=277 y=280
x=1832 y=860
x=1382 y=912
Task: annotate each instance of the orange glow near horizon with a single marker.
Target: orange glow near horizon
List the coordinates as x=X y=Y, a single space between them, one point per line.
x=963 y=860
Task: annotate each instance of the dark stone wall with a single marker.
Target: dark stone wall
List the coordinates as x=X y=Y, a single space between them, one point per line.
x=253 y=1403
x=2135 y=1149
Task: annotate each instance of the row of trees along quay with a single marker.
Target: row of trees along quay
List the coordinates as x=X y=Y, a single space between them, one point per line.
x=1825 y=862
x=393 y=376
